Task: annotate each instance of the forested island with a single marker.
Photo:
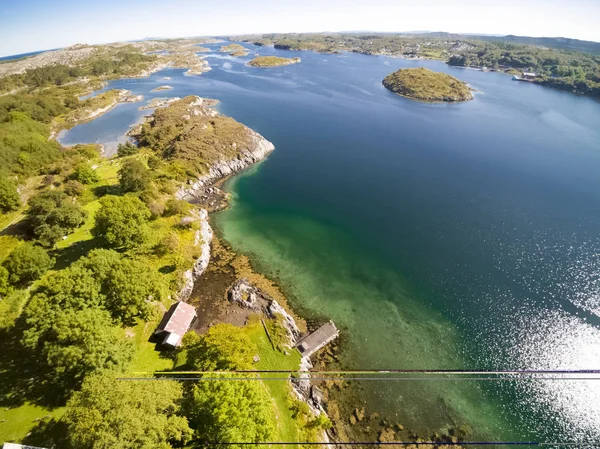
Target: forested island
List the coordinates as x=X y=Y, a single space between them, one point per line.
x=272 y=61
x=426 y=85
x=566 y=64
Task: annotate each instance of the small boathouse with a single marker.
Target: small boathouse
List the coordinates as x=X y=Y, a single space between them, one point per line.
x=318 y=339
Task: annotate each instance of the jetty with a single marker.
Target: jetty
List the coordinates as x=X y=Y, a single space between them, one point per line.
x=318 y=339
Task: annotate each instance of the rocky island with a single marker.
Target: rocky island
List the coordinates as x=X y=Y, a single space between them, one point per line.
x=426 y=85
x=272 y=61
x=234 y=50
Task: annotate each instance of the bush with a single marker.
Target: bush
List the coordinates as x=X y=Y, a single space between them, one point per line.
x=176 y=207
x=9 y=196
x=169 y=244
x=27 y=263
x=84 y=174
x=127 y=149
x=74 y=188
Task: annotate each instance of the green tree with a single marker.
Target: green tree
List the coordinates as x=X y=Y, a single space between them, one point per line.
x=232 y=411
x=127 y=149
x=134 y=176
x=122 y=221
x=27 y=263
x=9 y=196
x=80 y=342
x=111 y=414
x=223 y=347
x=84 y=174
x=128 y=289
x=53 y=214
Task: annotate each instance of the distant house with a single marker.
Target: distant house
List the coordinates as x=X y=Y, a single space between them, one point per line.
x=529 y=75
x=318 y=339
x=175 y=323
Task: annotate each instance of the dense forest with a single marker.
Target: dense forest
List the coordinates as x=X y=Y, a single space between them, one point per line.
x=560 y=68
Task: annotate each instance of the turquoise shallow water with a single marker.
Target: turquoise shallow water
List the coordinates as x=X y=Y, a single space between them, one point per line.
x=452 y=236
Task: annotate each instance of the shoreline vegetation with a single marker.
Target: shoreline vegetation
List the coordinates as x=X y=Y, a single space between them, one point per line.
x=122 y=214
x=426 y=85
x=566 y=64
x=272 y=61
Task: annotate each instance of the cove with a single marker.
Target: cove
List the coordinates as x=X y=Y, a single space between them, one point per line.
x=437 y=236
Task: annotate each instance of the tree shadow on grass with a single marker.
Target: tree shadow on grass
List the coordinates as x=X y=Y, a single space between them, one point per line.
x=66 y=256
x=47 y=433
x=100 y=191
x=21 y=229
x=24 y=377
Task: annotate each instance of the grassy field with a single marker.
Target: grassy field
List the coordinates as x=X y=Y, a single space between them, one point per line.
x=279 y=390
x=15 y=423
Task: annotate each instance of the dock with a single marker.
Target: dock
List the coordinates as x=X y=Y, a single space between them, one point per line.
x=318 y=339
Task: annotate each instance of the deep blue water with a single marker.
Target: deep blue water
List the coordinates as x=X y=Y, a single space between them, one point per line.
x=23 y=55
x=438 y=236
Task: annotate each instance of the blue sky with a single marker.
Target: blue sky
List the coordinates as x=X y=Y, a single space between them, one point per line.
x=29 y=25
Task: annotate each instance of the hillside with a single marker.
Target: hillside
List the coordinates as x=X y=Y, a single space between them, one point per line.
x=426 y=85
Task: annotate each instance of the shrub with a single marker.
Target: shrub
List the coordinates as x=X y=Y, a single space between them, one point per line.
x=169 y=244
x=74 y=188
x=127 y=149
x=176 y=207
x=85 y=174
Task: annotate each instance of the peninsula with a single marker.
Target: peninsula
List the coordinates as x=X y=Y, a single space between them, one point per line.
x=272 y=61
x=425 y=85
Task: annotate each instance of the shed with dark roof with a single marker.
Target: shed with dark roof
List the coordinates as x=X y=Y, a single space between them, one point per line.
x=319 y=338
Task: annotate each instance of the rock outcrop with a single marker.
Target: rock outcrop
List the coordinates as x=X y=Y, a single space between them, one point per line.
x=258 y=149
x=203 y=238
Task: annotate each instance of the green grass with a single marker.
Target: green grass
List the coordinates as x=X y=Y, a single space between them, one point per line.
x=7 y=244
x=84 y=232
x=16 y=423
x=271 y=359
x=147 y=358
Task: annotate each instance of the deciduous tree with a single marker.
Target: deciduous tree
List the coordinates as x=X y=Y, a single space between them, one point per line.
x=27 y=263
x=9 y=197
x=237 y=411
x=134 y=176
x=122 y=221
x=53 y=214
x=145 y=414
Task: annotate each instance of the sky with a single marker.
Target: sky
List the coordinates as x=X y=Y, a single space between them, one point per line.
x=32 y=25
